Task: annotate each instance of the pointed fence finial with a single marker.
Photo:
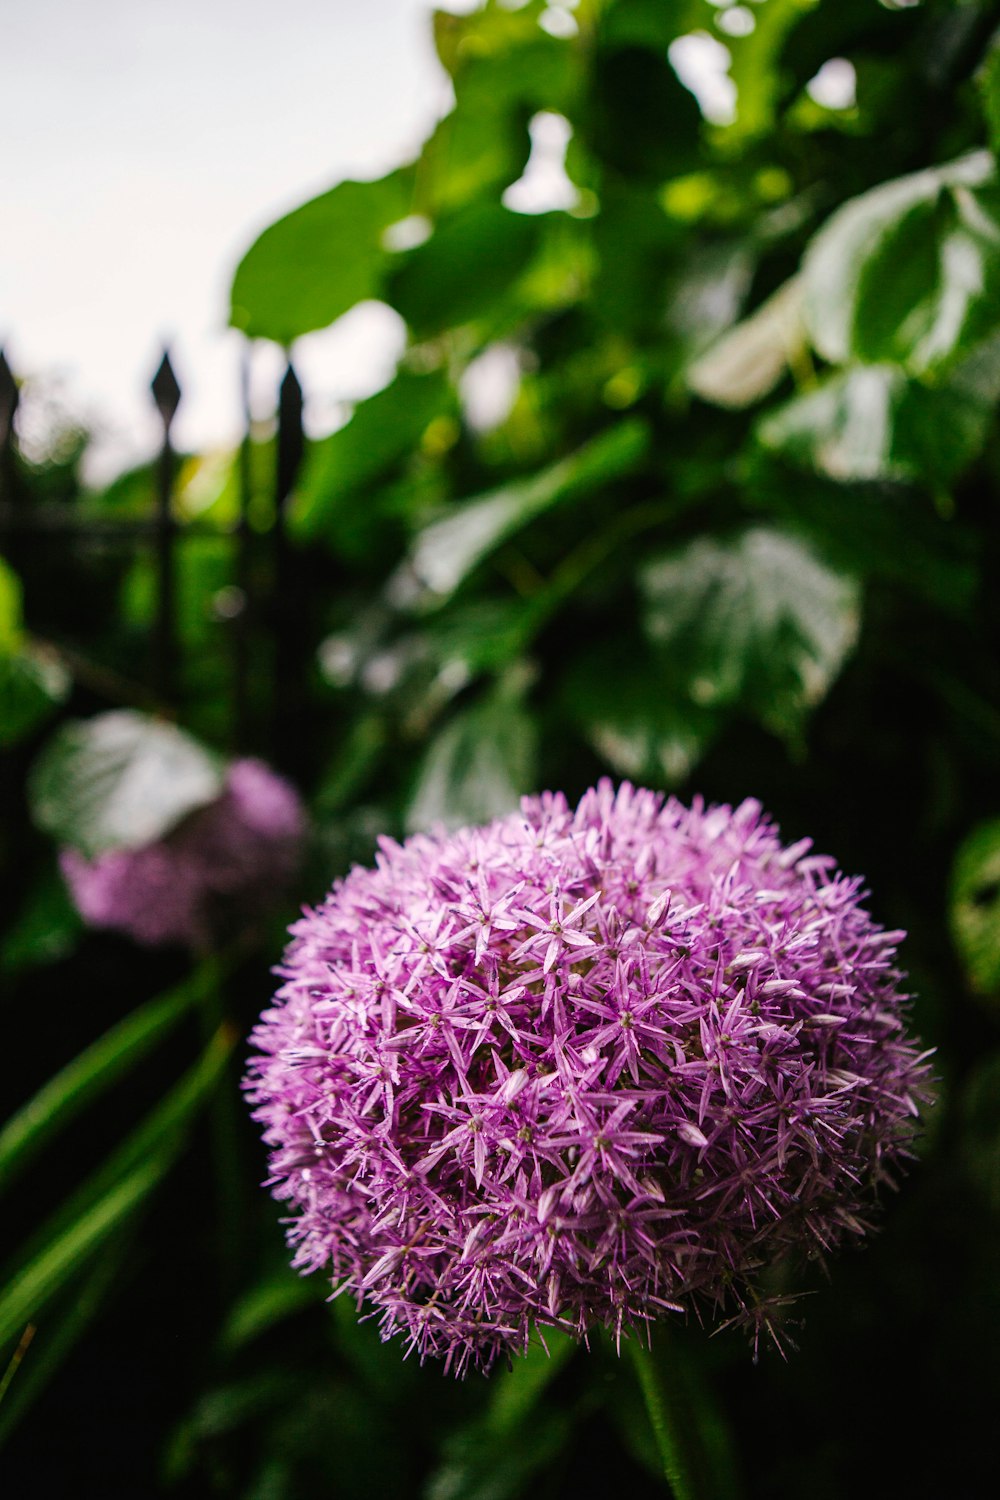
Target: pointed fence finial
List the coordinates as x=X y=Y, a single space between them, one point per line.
x=166 y=391
x=9 y=397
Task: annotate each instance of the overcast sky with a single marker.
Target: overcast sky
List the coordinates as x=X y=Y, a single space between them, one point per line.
x=145 y=143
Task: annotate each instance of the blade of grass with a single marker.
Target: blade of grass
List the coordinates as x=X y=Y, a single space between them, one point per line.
x=119 y=1185
x=88 y=1075
x=61 y=1334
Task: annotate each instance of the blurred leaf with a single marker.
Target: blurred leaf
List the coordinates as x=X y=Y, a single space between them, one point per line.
x=504 y=69
x=644 y=726
x=747 y=362
x=54 y=1252
x=756 y=64
x=872 y=422
x=447 y=551
x=45 y=928
x=468 y=264
x=478 y=767
x=33 y=682
x=382 y=431
x=10 y=609
x=268 y=1303
x=494 y=1456
x=989 y=87
x=119 y=781
x=755 y=621
x=643 y=121
x=874 y=531
x=975 y=907
x=910 y=271
x=61 y=1333
x=317 y=262
x=22 y=1300
x=88 y=1075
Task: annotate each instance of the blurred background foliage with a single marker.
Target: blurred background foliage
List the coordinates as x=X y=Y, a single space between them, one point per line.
x=689 y=473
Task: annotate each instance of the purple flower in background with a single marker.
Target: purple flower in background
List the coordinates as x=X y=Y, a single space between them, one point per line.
x=582 y=1067
x=220 y=869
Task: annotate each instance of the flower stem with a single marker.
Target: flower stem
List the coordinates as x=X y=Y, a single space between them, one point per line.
x=667 y=1424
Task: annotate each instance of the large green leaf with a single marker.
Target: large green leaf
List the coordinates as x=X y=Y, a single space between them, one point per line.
x=382 y=430
x=640 y=722
x=910 y=271
x=119 y=781
x=447 y=551
x=317 y=262
x=478 y=767
x=504 y=69
x=467 y=266
x=873 y=422
x=974 y=907
x=754 y=621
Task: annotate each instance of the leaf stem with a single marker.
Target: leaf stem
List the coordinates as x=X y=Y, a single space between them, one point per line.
x=666 y=1423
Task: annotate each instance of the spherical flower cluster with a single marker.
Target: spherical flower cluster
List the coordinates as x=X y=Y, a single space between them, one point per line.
x=210 y=877
x=582 y=1067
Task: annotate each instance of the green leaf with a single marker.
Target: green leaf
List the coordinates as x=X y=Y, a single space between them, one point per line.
x=33 y=682
x=974 y=907
x=447 y=551
x=93 y=1071
x=119 y=781
x=381 y=432
x=268 y=1303
x=756 y=64
x=10 y=609
x=643 y=121
x=504 y=69
x=60 y=1247
x=493 y=1457
x=988 y=79
x=910 y=271
x=753 y=621
x=643 y=724
x=45 y=927
x=317 y=262
x=52 y=1346
x=22 y=1300
x=470 y=262
x=747 y=362
x=872 y=422
x=478 y=767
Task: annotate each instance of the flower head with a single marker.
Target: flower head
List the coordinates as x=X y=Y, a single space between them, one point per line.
x=214 y=873
x=582 y=1067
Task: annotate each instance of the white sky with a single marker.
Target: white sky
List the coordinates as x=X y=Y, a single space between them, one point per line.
x=145 y=143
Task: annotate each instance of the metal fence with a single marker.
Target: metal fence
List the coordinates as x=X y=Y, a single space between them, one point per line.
x=29 y=523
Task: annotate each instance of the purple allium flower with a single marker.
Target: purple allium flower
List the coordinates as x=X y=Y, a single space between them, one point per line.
x=212 y=875
x=582 y=1067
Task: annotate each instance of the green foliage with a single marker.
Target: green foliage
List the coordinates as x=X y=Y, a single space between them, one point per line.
x=755 y=621
x=910 y=271
x=119 y=781
x=975 y=907
x=318 y=261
